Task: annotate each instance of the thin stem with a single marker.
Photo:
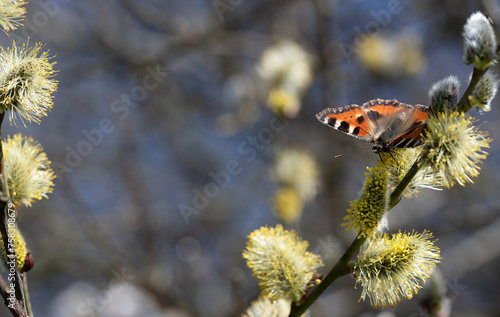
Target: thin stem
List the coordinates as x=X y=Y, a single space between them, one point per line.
x=398 y=191
x=464 y=104
x=29 y=309
x=340 y=269
x=2 y=115
x=18 y=305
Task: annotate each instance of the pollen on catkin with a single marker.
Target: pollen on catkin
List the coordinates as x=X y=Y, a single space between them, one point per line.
x=11 y=14
x=278 y=258
x=484 y=92
x=26 y=82
x=456 y=147
x=26 y=171
x=19 y=246
x=390 y=267
x=398 y=162
x=264 y=307
x=367 y=213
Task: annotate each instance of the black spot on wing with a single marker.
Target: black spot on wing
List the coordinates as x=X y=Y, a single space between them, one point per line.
x=331 y=121
x=373 y=115
x=344 y=126
x=360 y=119
x=355 y=131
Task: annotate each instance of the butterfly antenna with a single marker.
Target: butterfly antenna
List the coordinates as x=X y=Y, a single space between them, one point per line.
x=356 y=150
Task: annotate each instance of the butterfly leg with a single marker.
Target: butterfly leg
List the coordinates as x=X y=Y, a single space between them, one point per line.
x=381 y=158
x=390 y=153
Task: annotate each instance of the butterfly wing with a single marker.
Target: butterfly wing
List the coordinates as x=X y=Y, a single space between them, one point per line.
x=398 y=125
x=412 y=131
x=351 y=120
x=387 y=123
x=387 y=115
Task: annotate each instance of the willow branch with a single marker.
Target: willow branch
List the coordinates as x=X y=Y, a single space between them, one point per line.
x=15 y=276
x=340 y=269
x=29 y=308
x=464 y=104
x=17 y=304
x=16 y=308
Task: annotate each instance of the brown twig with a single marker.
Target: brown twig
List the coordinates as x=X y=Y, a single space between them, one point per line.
x=16 y=308
x=17 y=305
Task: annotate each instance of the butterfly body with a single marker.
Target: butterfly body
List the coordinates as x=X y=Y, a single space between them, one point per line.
x=386 y=123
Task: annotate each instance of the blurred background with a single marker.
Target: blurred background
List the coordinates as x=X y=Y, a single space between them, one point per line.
x=173 y=139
